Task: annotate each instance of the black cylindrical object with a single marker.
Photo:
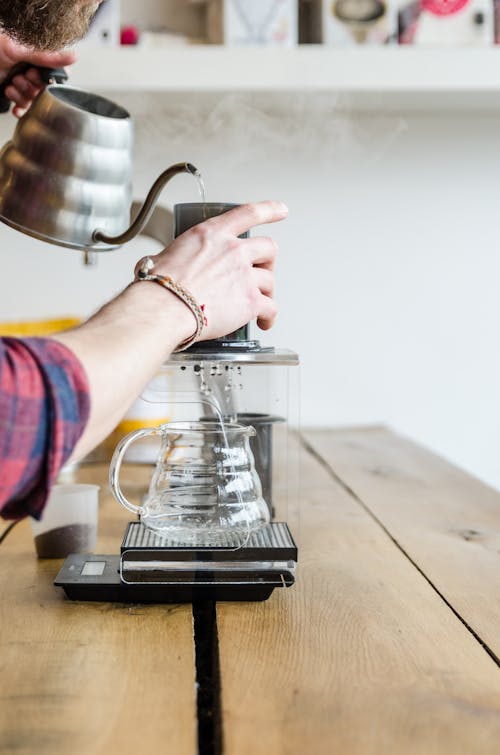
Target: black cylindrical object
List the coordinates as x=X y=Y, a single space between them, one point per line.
x=262 y=448
x=186 y=216
x=261 y=445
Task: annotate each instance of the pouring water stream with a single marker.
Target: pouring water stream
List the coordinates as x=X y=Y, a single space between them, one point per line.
x=207 y=385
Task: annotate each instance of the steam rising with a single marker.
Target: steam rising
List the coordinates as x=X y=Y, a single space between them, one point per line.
x=253 y=124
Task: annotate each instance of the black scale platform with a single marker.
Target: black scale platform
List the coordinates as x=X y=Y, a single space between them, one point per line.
x=151 y=569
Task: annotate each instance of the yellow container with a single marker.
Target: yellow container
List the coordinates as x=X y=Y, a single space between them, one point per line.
x=38 y=328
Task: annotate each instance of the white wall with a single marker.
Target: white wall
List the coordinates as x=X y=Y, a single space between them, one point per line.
x=389 y=275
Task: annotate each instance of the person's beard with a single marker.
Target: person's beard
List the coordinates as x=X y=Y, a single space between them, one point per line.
x=46 y=24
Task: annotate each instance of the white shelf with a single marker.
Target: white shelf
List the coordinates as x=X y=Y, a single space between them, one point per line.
x=461 y=76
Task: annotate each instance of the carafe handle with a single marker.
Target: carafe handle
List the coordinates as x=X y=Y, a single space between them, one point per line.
x=116 y=463
x=48 y=76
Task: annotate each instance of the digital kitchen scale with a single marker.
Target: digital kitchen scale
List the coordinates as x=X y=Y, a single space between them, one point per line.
x=152 y=569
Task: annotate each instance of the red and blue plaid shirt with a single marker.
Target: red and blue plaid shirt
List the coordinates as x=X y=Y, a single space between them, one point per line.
x=44 y=407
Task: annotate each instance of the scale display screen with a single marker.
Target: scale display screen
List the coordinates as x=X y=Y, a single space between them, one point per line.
x=93 y=569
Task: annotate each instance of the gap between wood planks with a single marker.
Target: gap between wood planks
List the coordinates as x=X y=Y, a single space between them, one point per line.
x=8 y=530
x=208 y=685
x=352 y=493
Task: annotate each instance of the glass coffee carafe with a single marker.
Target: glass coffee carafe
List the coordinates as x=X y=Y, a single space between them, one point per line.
x=204 y=487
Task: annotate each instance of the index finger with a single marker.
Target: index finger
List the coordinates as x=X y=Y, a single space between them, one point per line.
x=16 y=53
x=241 y=219
x=33 y=75
x=51 y=59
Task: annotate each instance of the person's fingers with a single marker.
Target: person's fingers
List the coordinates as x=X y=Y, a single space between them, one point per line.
x=18 y=112
x=23 y=85
x=33 y=75
x=17 y=53
x=264 y=280
x=260 y=250
x=267 y=313
x=12 y=93
x=241 y=219
x=50 y=59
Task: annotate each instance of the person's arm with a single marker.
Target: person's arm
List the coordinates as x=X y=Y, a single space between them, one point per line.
x=26 y=87
x=125 y=343
x=44 y=407
x=120 y=348
x=61 y=396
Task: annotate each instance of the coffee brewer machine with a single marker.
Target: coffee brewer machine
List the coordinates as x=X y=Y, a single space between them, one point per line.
x=256 y=386
x=66 y=178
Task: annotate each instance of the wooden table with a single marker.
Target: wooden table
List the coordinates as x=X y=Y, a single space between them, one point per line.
x=389 y=642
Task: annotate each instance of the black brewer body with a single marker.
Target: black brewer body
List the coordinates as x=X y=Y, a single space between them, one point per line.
x=186 y=216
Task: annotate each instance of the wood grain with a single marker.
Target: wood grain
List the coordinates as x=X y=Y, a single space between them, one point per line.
x=447 y=521
x=90 y=678
x=361 y=656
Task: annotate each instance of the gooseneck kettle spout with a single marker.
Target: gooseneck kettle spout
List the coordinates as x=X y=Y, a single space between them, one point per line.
x=66 y=174
x=148 y=206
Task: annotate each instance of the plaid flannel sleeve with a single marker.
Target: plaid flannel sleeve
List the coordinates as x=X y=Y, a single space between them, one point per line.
x=44 y=407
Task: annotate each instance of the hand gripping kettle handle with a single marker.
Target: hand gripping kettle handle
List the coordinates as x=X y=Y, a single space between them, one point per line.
x=116 y=463
x=48 y=76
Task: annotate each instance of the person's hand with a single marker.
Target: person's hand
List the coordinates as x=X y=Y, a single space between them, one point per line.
x=232 y=278
x=26 y=87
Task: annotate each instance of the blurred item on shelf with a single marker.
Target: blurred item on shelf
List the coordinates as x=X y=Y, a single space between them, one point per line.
x=285 y=23
x=496 y=21
x=310 y=22
x=259 y=23
x=163 y=24
x=359 y=22
x=104 y=30
x=446 y=23
x=129 y=35
x=432 y=23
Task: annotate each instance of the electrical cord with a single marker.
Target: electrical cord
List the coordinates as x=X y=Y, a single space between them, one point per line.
x=7 y=530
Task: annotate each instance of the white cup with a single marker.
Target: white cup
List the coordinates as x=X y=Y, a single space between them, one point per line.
x=69 y=521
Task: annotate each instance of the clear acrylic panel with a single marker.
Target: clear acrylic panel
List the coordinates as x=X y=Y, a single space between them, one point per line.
x=262 y=393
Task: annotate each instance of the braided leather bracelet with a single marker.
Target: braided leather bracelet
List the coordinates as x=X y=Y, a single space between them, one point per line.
x=145 y=273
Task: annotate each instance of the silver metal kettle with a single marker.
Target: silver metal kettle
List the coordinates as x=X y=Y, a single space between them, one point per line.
x=66 y=175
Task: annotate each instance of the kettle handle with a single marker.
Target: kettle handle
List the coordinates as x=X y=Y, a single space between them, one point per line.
x=48 y=75
x=116 y=463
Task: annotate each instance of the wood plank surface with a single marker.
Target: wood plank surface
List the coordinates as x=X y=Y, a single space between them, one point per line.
x=447 y=521
x=90 y=678
x=360 y=657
